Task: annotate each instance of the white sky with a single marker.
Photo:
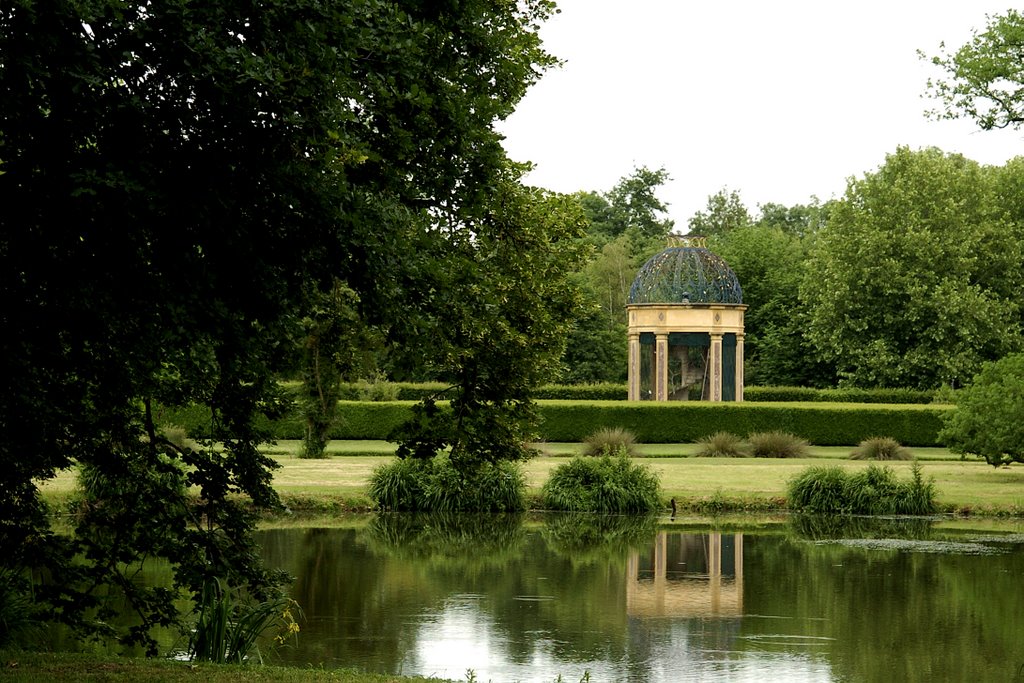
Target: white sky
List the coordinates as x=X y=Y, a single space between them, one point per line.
x=780 y=100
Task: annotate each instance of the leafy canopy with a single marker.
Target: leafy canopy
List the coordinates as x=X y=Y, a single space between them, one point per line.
x=984 y=79
x=179 y=180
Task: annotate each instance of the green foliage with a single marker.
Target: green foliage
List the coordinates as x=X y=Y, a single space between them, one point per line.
x=632 y=206
x=988 y=420
x=721 y=445
x=437 y=485
x=982 y=79
x=18 y=613
x=776 y=444
x=874 y=490
x=725 y=212
x=769 y=264
x=610 y=484
x=227 y=629
x=585 y=538
x=881 y=448
x=503 y=310
x=914 y=281
x=334 y=346
x=222 y=163
x=610 y=441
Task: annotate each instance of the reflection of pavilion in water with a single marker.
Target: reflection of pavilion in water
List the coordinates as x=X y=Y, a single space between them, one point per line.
x=687 y=575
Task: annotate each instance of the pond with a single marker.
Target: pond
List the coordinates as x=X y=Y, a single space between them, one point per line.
x=621 y=599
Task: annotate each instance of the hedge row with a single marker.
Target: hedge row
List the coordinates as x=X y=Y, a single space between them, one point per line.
x=823 y=424
x=609 y=391
x=775 y=394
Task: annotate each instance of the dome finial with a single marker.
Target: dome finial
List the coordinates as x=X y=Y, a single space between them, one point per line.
x=690 y=241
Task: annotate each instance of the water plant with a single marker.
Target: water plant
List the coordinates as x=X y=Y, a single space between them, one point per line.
x=721 y=445
x=608 y=483
x=227 y=629
x=777 y=444
x=881 y=448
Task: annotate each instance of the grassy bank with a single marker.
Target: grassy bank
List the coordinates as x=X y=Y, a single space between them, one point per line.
x=37 y=667
x=700 y=484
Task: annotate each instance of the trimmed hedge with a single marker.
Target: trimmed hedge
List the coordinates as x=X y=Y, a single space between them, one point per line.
x=358 y=420
x=822 y=424
x=609 y=391
x=775 y=394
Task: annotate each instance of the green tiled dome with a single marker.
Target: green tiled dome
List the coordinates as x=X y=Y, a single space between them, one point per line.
x=686 y=274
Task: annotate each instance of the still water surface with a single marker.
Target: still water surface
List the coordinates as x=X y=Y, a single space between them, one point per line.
x=630 y=600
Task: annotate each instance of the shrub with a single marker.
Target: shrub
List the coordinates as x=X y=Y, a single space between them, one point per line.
x=881 y=448
x=777 y=445
x=818 y=490
x=609 y=441
x=608 y=484
x=871 y=491
x=721 y=445
x=436 y=485
x=987 y=420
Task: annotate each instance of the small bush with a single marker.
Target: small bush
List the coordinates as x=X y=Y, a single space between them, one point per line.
x=777 y=445
x=818 y=490
x=608 y=484
x=435 y=485
x=610 y=441
x=721 y=445
x=872 y=491
x=881 y=448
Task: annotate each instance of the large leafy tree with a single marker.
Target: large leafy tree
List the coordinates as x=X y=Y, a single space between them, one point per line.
x=178 y=177
x=914 y=281
x=770 y=263
x=983 y=80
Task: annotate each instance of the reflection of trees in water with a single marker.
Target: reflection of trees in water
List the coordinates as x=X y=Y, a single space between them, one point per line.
x=829 y=527
x=472 y=540
x=588 y=538
x=893 y=615
x=353 y=605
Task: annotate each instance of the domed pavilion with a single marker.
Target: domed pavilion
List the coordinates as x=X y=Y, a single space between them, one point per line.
x=686 y=326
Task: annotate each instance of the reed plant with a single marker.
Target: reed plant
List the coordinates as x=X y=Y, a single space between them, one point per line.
x=228 y=630
x=607 y=483
x=777 y=444
x=721 y=445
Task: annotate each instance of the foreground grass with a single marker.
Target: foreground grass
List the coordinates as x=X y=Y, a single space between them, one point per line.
x=338 y=484
x=47 y=667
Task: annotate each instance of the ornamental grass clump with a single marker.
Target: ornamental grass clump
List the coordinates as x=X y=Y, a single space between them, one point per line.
x=721 y=445
x=436 y=485
x=606 y=483
x=874 y=490
x=609 y=441
x=777 y=445
x=881 y=448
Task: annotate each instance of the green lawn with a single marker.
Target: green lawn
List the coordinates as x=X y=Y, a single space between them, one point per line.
x=339 y=482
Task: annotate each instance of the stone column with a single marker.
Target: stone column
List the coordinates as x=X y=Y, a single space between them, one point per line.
x=634 y=366
x=739 y=366
x=715 y=359
x=661 y=366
